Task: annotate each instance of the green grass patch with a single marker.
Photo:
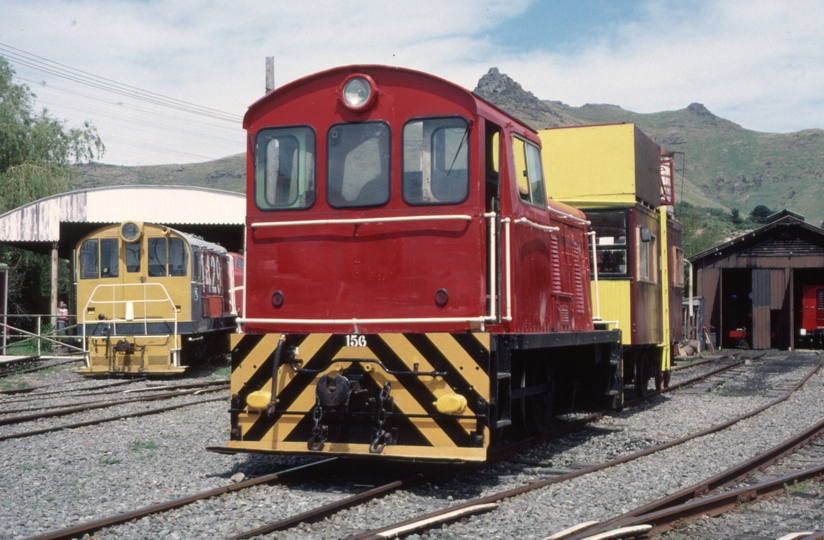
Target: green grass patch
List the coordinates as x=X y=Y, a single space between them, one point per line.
x=221 y=373
x=110 y=461
x=137 y=446
x=6 y=384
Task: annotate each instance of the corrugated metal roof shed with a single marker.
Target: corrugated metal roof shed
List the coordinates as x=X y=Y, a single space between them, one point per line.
x=216 y=215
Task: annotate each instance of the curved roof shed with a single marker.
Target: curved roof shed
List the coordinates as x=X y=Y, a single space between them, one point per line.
x=217 y=216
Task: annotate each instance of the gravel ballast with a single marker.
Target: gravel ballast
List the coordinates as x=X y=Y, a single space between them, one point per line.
x=68 y=477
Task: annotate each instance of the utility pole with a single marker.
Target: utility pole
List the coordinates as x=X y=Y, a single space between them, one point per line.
x=270 y=73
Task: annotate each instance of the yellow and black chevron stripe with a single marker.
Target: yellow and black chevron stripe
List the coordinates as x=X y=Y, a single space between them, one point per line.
x=423 y=372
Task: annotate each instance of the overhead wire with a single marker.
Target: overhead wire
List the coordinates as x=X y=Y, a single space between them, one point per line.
x=179 y=123
x=89 y=79
x=121 y=112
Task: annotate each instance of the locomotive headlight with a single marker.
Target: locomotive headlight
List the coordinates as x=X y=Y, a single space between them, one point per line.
x=130 y=231
x=358 y=92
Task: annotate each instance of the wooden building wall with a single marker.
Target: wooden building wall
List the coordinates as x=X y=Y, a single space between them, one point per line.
x=771 y=258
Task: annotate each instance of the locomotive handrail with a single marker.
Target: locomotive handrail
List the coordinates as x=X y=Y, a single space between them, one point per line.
x=493 y=283
x=355 y=322
x=566 y=215
x=355 y=221
x=594 y=255
x=507 y=236
x=547 y=228
x=145 y=319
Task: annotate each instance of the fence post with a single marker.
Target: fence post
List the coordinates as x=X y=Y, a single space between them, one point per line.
x=38 y=335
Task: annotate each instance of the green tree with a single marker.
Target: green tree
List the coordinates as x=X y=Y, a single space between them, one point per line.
x=760 y=213
x=37 y=158
x=735 y=216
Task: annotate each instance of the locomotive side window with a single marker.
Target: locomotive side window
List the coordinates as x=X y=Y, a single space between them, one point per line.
x=285 y=168
x=677 y=266
x=358 y=165
x=89 y=259
x=109 y=260
x=528 y=172
x=133 y=257
x=177 y=257
x=157 y=257
x=167 y=257
x=647 y=255
x=435 y=161
x=99 y=258
x=610 y=228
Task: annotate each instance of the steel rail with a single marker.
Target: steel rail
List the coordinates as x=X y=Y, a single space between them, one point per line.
x=715 y=505
x=323 y=511
x=500 y=454
x=7 y=373
x=23 y=434
x=83 y=404
x=36 y=396
x=92 y=526
x=376 y=534
x=497 y=455
x=725 y=478
x=63 y=410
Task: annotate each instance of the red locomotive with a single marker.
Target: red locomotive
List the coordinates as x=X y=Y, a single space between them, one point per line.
x=811 y=333
x=410 y=290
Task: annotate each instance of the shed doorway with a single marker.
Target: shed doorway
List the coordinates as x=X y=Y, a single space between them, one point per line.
x=736 y=308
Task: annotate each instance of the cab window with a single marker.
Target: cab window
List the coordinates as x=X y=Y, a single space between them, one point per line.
x=528 y=172
x=109 y=261
x=285 y=168
x=610 y=228
x=435 y=161
x=358 y=165
x=133 y=257
x=167 y=257
x=89 y=259
x=99 y=258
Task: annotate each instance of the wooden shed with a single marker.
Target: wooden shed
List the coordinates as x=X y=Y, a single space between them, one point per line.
x=753 y=284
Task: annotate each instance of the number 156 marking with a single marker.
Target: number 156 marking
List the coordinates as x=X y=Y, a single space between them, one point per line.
x=355 y=340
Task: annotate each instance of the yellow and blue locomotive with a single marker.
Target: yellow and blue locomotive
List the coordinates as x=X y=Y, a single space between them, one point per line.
x=151 y=300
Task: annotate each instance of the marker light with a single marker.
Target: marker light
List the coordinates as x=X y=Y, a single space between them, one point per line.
x=441 y=297
x=258 y=400
x=277 y=299
x=451 y=404
x=358 y=92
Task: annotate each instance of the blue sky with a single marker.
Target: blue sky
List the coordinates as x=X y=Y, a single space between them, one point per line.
x=565 y=25
x=759 y=63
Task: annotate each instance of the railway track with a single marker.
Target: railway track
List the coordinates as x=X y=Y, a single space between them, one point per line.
x=427 y=521
x=83 y=408
x=336 y=503
x=49 y=411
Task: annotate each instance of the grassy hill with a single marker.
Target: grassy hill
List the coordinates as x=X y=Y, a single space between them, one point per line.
x=722 y=166
x=227 y=173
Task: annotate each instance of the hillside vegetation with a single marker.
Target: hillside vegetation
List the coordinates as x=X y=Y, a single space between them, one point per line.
x=721 y=166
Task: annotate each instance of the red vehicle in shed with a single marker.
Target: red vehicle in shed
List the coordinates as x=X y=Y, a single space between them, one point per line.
x=410 y=291
x=811 y=333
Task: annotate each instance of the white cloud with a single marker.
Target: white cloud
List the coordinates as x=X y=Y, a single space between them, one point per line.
x=756 y=62
x=759 y=59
